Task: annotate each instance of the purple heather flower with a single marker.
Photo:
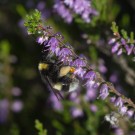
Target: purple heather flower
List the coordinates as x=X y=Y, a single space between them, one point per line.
x=54 y=45
x=55 y=103
x=102 y=68
x=123 y=41
x=123 y=110
x=81 y=5
x=114 y=77
x=89 y=83
x=119 y=131
x=17 y=106
x=63 y=12
x=129 y=48
x=79 y=72
x=79 y=63
x=42 y=39
x=76 y=112
x=93 y=108
x=91 y=94
x=96 y=85
x=69 y=3
x=73 y=95
x=118 y=102
x=85 y=16
x=130 y=113
x=16 y=91
x=41 y=5
x=103 y=91
x=119 y=52
x=66 y=60
x=90 y=75
x=58 y=34
x=112 y=99
x=115 y=47
x=64 y=52
x=4 y=110
x=111 y=41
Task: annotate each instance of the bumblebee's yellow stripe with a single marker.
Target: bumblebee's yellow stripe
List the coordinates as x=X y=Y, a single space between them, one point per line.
x=64 y=71
x=42 y=66
x=58 y=86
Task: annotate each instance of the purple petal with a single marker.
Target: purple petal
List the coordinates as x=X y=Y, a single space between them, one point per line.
x=93 y=108
x=91 y=75
x=80 y=72
x=123 y=110
x=118 y=102
x=123 y=41
x=79 y=63
x=103 y=91
x=76 y=112
x=112 y=99
x=115 y=47
x=54 y=45
x=42 y=39
x=111 y=41
x=130 y=113
x=65 y=52
x=119 y=52
x=129 y=48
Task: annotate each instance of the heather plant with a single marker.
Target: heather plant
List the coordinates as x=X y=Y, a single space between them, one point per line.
x=95 y=38
x=54 y=44
x=122 y=43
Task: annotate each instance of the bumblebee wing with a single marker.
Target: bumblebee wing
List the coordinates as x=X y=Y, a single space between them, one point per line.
x=46 y=80
x=55 y=91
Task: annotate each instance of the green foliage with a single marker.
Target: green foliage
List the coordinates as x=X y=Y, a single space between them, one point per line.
x=114 y=27
x=32 y=21
x=14 y=130
x=4 y=49
x=39 y=127
x=131 y=37
x=124 y=33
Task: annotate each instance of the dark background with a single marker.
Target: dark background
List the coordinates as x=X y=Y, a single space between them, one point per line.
x=19 y=57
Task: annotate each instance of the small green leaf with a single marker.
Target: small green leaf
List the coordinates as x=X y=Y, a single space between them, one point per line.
x=131 y=37
x=32 y=21
x=114 y=27
x=124 y=34
x=39 y=127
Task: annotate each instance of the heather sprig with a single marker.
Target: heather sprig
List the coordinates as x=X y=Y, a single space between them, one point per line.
x=54 y=44
x=67 y=9
x=121 y=42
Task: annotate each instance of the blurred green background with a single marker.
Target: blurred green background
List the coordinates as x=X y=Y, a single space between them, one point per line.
x=23 y=96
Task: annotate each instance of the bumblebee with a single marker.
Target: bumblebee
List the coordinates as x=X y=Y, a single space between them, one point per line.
x=58 y=76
